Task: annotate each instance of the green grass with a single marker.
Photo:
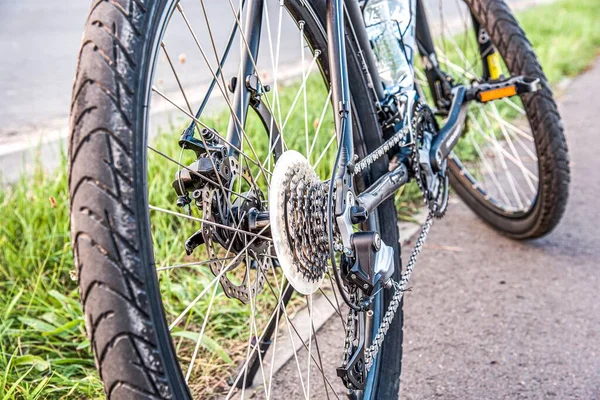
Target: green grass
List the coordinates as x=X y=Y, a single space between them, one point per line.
x=43 y=349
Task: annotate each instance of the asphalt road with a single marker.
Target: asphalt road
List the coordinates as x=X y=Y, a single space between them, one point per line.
x=493 y=318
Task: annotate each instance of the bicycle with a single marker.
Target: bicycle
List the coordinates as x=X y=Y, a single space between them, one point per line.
x=284 y=181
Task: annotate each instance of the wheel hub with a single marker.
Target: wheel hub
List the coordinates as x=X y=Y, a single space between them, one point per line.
x=298 y=207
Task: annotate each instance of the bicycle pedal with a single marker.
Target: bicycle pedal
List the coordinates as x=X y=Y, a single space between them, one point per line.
x=500 y=89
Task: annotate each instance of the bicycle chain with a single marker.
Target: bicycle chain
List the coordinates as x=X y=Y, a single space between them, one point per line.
x=399 y=289
x=383 y=149
x=401 y=286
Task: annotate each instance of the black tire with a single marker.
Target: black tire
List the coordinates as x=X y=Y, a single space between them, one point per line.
x=546 y=125
x=109 y=203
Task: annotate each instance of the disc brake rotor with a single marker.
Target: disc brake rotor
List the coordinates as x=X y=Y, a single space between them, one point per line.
x=215 y=209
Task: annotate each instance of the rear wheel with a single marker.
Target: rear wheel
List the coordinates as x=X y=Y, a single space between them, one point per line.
x=166 y=324
x=511 y=165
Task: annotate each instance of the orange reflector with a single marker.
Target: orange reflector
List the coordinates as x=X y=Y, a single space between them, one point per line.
x=499 y=93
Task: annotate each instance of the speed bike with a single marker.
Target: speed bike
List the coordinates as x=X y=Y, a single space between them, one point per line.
x=234 y=170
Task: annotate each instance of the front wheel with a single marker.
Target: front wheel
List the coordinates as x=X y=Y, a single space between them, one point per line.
x=511 y=166
x=182 y=293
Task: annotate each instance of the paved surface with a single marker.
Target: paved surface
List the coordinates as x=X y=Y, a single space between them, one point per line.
x=493 y=318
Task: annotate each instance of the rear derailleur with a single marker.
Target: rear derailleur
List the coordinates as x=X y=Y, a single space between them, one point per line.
x=368 y=269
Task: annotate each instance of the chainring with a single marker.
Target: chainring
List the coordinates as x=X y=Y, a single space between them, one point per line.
x=434 y=186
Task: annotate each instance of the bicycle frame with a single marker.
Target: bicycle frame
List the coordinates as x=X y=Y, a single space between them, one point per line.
x=341 y=14
x=440 y=85
x=338 y=12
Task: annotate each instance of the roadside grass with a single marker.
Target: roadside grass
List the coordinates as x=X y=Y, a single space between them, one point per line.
x=43 y=349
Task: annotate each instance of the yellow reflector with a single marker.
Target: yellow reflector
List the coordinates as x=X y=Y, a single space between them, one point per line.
x=494 y=65
x=497 y=93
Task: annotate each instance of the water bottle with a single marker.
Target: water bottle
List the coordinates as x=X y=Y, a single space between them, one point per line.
x=389 y=27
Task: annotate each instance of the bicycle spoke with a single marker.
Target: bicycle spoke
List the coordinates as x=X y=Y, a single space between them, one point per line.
x=205 y=322
x=178 y=163
x=333 y=139
x=490 y=170
x=321 y=119
x=200 y=336
x=221 y=273
x=214 y=167
x=516 y=155
x=302 y=88
x=501 y=147
x=187 y=102
x=509 y=175
x=514 y=129
x=155 y=90
x=255 y=346
x=491 y=138
x=275 y=58
x=515 y=107
x=204 y=221
x=240 y=124
x=192 y=264
x=293 y=327
x=336 y=309
x=310 y=336
x=290 y=105
x=212 y=41
x=314 y=333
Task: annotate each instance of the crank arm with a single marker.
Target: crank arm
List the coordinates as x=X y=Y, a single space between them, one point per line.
x=448 y=136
